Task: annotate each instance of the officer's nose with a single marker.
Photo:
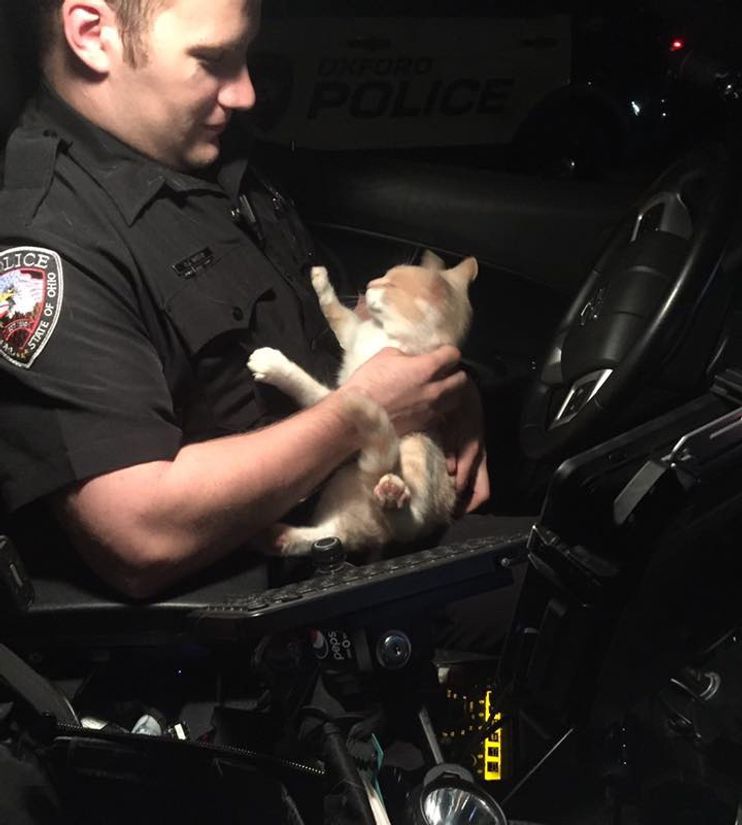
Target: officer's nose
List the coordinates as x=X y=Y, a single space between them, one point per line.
x=238 y=92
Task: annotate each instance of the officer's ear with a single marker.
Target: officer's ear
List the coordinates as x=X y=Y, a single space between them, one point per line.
x=91 y=31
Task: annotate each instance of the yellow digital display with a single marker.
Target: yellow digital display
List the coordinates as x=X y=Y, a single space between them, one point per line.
x=492 y=757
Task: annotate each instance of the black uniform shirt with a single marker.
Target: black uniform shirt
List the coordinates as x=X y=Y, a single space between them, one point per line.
x=130 y=298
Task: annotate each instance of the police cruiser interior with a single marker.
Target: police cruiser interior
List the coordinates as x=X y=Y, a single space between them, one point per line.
x=607 y=346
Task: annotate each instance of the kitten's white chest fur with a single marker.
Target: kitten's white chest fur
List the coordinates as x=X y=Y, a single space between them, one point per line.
x=369 y=339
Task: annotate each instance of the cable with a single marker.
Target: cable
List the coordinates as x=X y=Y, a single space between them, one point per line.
x=341 y=765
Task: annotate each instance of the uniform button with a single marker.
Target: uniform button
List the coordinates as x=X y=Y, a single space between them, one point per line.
x=238 y=314
x=236 y=216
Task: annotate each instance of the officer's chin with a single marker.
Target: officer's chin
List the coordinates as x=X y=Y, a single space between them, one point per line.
x=204 y=154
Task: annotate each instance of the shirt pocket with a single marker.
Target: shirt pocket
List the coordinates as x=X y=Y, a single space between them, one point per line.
x=214 y=320
x=218 y=305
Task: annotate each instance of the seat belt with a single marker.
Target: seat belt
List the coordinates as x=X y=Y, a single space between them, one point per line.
x=34 y=689
x=16 y=596
x=16 y=589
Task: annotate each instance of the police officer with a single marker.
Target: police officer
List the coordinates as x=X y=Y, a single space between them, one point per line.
x=139 y=266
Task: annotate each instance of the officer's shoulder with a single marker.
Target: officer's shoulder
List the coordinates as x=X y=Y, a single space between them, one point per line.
x=28 y=163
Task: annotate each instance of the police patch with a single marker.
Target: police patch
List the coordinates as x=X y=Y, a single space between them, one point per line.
x=31 y=287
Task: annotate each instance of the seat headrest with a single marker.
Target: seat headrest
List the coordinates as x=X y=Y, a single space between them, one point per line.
x=10 y=93
x=18 y=74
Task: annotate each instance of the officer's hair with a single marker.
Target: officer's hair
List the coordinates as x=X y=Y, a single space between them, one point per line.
x=134 y=17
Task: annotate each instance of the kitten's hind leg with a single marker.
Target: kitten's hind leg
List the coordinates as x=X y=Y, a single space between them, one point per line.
x=296 y=541
x=272 y=367
x=342 y=321
x=391 y=492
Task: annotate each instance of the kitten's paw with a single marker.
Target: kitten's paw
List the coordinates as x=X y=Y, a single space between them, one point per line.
x=391 y=492
x=322 y=285
x=269 y=541
x=281 y=540
x=320 y=279
x=266 y=363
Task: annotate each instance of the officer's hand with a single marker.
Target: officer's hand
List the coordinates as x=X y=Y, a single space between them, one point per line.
x=415 y=390
x=462 y=437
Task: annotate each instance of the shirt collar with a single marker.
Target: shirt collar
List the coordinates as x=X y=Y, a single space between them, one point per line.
x=131 y=179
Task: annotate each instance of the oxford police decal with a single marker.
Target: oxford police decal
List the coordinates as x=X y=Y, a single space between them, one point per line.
x=31 y=287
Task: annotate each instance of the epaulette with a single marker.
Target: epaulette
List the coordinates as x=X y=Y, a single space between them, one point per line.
x=29 y=163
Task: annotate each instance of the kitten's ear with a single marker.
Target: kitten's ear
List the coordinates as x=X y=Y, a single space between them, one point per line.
x=463 y=274
x=431 y=261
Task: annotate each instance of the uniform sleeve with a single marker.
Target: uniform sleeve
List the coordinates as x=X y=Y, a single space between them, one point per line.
x=84 y=390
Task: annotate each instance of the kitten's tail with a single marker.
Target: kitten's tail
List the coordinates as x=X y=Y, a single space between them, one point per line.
x=380 y=450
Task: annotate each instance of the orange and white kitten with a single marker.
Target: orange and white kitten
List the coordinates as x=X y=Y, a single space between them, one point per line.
x=398 y=489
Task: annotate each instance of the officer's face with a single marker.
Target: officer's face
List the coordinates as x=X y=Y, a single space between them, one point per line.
x=176 y=102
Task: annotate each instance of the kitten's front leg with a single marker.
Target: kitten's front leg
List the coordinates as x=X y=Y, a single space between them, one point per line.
x=342 y=321
x=271 y=366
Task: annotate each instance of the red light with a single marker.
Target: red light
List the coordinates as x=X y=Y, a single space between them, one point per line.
x=677 y=44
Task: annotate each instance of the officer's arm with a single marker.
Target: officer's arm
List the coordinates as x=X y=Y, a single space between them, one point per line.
x=145 y=527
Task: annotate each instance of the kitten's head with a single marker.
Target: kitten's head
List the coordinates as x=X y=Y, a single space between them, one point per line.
x=421 y=307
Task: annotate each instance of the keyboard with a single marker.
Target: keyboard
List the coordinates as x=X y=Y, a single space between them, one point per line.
x=456 y=569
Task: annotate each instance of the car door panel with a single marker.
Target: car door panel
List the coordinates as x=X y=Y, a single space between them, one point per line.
x=535 y=240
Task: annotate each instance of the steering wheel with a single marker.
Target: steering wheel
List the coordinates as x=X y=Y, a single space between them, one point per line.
x=635 y=306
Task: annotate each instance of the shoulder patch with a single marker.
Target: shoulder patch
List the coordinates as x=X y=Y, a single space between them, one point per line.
x=31 y=288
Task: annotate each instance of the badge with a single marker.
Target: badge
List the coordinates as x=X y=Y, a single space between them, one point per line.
x=191 y=266
x=31 y=287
